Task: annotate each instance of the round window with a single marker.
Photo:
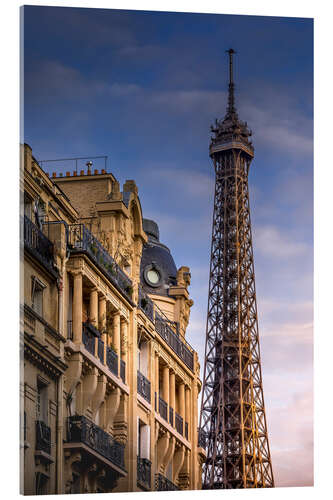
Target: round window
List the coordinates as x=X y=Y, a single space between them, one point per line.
x=153 y=276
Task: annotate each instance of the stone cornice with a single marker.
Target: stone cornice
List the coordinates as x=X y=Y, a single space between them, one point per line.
x=53 y=367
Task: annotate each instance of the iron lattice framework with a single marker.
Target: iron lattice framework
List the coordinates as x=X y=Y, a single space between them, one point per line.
x=232 y=419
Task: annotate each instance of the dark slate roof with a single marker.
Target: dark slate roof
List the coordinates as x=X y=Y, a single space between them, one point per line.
x=156 y=254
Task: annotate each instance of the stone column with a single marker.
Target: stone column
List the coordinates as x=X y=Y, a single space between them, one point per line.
x=93 y=314
x=157 y=380
x=166 y=384
x=93 y=307
x=182 y=400
x=187 y=411
x=123 y=341
x=172 y=395
x=116 y=336
x=77 y=308
x=102 y=323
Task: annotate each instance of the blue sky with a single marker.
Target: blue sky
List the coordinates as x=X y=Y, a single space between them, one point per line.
x=144 y=88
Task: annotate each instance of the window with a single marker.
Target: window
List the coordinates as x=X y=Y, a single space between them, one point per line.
x=42 y=402
x=37 y=289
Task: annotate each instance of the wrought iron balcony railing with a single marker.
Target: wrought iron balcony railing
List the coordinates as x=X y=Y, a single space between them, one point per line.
x=144 y=387
x=171 y=416
x=202 y=438
x=123 y=371
x=112 y=360
x=163 y=408
x=88 y=339
x=100 y=350
x=82 y=430
x=177 y=344
x=146 y=304
x=43 y=437
x=165 y=328
x=164 y=484
x=179 y=423
x=38 y=244
x=144 y=472
x=80 y=239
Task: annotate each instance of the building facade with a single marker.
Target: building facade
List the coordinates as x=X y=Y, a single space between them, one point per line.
x=109 y=383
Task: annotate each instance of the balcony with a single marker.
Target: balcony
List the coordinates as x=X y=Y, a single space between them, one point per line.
x=179 y=424
x=202 y=438
x=144 y=387
x=123 y=371
x=81 y=240
x=146 y=304
x=38 y=245
x=163 y=408
x=165 y=330
x=112 y=360
x=88 y=338
x=82 y=430
x=143 y=473
x=43 y=437
x=171 y=416
x=164 y=484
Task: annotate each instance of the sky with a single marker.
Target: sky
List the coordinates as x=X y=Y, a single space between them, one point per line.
x=143 y=88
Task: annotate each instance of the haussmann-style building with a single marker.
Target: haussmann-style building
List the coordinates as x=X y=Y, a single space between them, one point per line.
x=109 y=383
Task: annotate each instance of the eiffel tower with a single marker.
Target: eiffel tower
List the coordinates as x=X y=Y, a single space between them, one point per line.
x=232 y=420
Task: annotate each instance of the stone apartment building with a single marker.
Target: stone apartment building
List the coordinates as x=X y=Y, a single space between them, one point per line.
x=109 y=384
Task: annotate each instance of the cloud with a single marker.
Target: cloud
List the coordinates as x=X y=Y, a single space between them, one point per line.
x=273 y=243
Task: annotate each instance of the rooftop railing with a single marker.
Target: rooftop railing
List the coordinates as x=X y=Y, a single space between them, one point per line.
x=82 y=430
x=80 y=239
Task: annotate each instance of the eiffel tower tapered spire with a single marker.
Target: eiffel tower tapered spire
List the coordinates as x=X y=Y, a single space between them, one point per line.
x=233 y=426
x=231 y=94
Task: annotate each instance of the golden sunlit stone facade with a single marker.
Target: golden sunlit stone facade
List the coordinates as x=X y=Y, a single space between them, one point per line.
x=109 y=384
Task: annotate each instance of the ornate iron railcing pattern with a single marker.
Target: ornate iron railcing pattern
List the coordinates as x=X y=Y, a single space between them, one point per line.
x=123 y=371
x=80 y=239
x=178 y=345
x=171 y=416
x=202 y=438
x=143 y=386
x=163 y=408
x=38 y=244
x=179 y=423
x=162 y=483
x=146 y=304
x=88 y=339
x=165 y=328
x=144 y=472
x=112 y=360
x=82 y=430
x=43 y=437
x=100 y=350
x=232 y=418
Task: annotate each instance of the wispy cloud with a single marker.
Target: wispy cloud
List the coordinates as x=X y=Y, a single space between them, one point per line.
x=272 y=242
